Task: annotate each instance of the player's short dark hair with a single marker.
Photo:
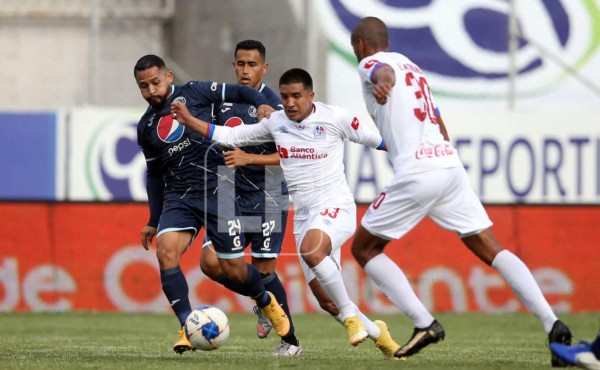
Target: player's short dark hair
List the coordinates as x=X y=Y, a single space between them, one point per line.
x=251 y=45
x=372 y=31
x=296 y=75
x=148 y=61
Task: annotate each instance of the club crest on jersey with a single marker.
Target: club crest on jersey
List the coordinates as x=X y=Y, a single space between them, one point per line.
x=169 y=130
x=319 y=132
x=180 y=99
x=252 y=111
x=234 y=121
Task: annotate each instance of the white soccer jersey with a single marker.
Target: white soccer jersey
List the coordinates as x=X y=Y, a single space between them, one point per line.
x=407 y=121
x=311 y=152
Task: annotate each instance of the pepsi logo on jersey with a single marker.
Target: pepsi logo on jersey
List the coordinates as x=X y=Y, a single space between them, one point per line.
x=234 y=121
x=168 y=130
x=179 y=147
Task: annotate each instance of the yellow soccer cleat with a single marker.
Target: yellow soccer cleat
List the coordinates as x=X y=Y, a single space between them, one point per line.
x=385 y=342
x=183 y=344
x=277 y=316
x=357 y=333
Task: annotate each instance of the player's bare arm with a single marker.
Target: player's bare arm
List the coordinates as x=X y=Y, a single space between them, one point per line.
x=182 y=114
x=443 y=128
x=384 y=79
x=237 y=158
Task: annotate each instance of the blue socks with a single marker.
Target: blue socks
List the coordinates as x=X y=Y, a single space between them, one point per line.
x=273 y=285
x=231 y=285
x=256 y=288
x=176 y=290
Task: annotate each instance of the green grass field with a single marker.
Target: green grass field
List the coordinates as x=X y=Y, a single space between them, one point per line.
x=143 y=341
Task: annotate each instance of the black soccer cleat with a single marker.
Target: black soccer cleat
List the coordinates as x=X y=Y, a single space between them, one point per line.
x=421 y=338
x=560 y=333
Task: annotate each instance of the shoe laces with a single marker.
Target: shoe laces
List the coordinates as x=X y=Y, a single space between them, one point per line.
x=262 y=319
x=282 y=346
x=352 y=324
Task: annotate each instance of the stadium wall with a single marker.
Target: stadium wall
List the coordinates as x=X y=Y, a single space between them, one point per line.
x=91 y=154
x=87 y=256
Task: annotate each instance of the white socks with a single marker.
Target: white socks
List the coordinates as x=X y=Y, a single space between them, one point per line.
x=520 y=279
x=330 y=279
x=393 y=283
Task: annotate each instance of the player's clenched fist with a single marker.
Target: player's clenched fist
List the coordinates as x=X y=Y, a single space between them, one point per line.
x=180 y=113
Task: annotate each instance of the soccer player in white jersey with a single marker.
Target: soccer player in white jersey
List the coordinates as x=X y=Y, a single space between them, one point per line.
x=310 y=139
x=429 y=180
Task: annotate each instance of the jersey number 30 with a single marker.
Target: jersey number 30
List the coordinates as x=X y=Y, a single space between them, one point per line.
x=426 y=109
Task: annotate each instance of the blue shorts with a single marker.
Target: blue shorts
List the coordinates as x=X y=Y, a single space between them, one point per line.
x=263 y=224
x=217 y=214
x=264 y=220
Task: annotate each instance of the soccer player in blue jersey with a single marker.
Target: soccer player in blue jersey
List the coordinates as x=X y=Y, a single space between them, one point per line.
x=182 y=185
x=261 y=192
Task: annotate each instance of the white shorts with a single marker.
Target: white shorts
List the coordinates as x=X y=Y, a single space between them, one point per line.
x=444 y=195
x=338 y=223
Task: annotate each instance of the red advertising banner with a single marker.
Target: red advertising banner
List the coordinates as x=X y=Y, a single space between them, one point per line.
x=88 y=256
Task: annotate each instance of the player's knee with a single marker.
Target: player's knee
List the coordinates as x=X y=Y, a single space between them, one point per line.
x=167 y=257
x=356 y=252
x=265 y=265
x=234 y=273
x=363 y=250
x=312 y=256
x=362 y=253
x=210 y=268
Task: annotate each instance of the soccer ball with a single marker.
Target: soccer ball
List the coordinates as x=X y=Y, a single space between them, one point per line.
x=207 y=328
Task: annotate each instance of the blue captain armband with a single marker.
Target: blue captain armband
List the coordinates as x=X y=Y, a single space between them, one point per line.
x=382 y=146
x=211 y=131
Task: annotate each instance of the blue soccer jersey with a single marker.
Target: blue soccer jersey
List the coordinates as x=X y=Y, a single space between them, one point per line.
x=263 y=201
x=249 y=178
x=189 y=161
x=181 y=163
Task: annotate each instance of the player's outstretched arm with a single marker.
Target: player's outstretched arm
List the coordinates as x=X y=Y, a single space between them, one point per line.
x=238 y=157
x=182 y=115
